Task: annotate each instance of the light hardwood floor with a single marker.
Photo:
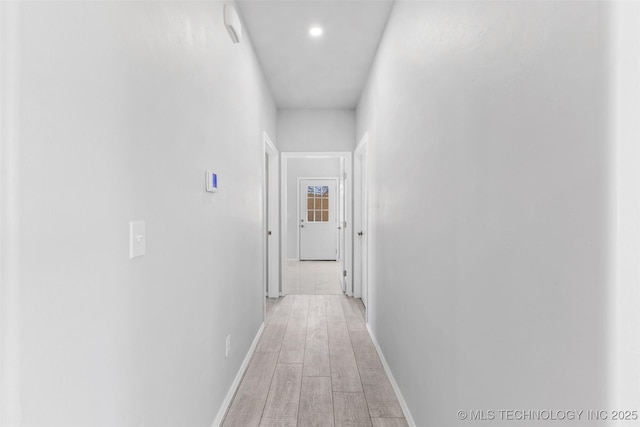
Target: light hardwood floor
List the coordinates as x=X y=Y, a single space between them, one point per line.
x=313 y=278
x=315 y=365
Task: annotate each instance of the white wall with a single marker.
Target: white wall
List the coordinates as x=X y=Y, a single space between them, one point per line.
x=490 y=188
x=9 y=218
x=123 y=105
x=625 y=296
x=316 y=130
x=303 y=168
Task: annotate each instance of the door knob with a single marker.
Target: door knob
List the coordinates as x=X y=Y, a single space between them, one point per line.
x=301 y=226
x=269 y=233
x=360 y=233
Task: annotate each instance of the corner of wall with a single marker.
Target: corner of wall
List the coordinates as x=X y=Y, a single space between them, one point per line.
x=392 y=380
x=222 y=412
x=624 y=244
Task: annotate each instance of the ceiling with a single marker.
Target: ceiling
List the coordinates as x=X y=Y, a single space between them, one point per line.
x=325 y=72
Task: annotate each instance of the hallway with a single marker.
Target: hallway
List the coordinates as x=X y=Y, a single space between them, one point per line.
x=313 y=278
x=315 y=365
x=153 y=163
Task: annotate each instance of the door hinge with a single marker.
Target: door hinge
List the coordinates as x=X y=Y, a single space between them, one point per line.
x=344 y=273
x=344 y=175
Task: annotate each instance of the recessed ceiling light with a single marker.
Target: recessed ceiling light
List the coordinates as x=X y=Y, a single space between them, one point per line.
x=315 y=31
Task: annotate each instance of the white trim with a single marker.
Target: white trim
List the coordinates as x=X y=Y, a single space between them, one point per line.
x=337 y=181
x=284 y=157
x=394 y=384
x=222 y=412
x=361 y=145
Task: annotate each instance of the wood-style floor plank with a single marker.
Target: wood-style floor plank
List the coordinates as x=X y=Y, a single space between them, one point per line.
x=316 y=403
x=352 y=314
x=248 y=403
x=344 y=370
x=314 y=278
x=389 y=422
x=382 y=400
x=292 y=350
x=271 y=339
x=316 y=354
x=369 y=364
x=276 y=326
x=380 y=396
x=363 y=309
x=334 y=308
x=281 y=311
x=350 y=410
x=270 y=304
x=281 y=408
x=317 y=308
x=331 y=375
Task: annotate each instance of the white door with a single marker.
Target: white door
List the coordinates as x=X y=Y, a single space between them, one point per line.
x=268 y=253
x=361 y=231
x=318 y=219
x=342 y=196
x=271 y=214
x=364 y=232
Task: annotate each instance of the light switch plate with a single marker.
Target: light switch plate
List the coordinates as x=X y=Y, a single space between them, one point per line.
x=137 y=239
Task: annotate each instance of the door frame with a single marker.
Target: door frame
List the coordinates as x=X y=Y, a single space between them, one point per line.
x=337 y=181
x=360 y=220
x=345 y=188
x=271 y=217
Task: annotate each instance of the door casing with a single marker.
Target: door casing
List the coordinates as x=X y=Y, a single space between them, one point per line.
x=346 y=194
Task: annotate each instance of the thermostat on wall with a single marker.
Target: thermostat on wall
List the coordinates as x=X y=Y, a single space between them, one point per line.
x=212 y=182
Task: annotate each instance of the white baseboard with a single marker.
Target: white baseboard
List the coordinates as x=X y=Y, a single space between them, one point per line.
x=394 y=384
x=217 y=422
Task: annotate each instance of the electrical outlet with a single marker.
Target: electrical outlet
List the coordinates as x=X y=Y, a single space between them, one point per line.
x=227 y=346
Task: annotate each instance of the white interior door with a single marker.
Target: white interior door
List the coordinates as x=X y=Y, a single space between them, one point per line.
x=361 y=237
x=341 y=226
x=364 y=232
x=268 y=253
x=271 y=225
x=318 y=228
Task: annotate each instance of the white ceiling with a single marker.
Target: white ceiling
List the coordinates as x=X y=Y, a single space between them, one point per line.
x=325 y=72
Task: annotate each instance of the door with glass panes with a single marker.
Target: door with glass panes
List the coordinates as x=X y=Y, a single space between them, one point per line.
x=318 y=222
